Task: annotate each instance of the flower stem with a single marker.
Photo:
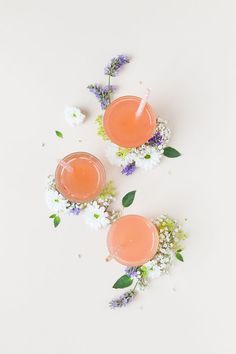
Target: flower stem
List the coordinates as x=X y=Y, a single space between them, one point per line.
x=135 y=286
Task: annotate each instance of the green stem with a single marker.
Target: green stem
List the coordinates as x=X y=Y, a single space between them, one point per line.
x=135 y=286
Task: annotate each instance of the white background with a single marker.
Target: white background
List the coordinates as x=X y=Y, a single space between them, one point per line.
x=52 y=301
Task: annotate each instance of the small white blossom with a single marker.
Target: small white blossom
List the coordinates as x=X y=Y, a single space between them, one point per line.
x=56 y=202
x=74 y=116
x=51 y=182
x=153 y=269
x=148 y=159
x=96 y=216
x=164 y=131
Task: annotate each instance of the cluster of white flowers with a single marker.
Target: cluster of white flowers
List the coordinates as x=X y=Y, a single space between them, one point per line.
x=74 y=116
x=55 y=201
x=171 y=237
x=146 y=156
x=152 y=269
x=96 y=214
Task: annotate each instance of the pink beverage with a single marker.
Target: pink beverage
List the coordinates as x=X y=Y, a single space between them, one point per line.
x=80 y=177
x=122 y=125
x=132 y=240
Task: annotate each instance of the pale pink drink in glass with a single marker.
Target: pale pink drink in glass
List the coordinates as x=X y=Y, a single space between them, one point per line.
x=132 y=240
x=80 y=177
x=122 y=125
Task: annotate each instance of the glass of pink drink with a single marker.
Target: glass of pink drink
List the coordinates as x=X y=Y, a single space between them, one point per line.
x=132 y=240
x=122 y=125
x=80 y=177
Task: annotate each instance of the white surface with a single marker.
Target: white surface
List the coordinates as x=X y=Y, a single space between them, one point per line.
x=52 y=302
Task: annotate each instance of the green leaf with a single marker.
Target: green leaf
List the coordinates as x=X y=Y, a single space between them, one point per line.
x=128 y=199
x=179 y=256
x=171 y=152
x=179 y=251
x=59 y=134
x=123 y=282
x=52 y=216
x=56 y=220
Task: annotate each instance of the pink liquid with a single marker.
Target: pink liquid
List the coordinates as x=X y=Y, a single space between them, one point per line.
x=80 y=177
x=133 y=240
x=123 y=127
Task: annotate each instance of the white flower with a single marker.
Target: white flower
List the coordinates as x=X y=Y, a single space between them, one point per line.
x=51 y=182
x=148 y=158
x=96 y=216
x=153 y=269
x=164 y=131
x=56 y=202
x=114 y=156
x=74 y=116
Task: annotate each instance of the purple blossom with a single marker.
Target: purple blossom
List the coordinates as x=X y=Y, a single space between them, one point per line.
x=123 y=300
x=75 y=211
x=132 y=272
x=157 y=139
x=129 y=169
x=115 y=64
x=102 y=93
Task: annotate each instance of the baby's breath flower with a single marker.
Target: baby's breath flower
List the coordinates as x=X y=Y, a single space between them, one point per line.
x=51 y=182
x=153 y=271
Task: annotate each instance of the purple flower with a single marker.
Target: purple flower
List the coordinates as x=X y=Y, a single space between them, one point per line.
x=132 y=272
x=157 y=139
x=115 y=64
x=75 y=211
x=102 y=93
x=123 y=300
x=129 y=169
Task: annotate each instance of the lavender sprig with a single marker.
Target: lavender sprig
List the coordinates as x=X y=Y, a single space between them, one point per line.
x=129 y=169
x=156 y=139
x=113 y=68
x=132 y=272
x=123 y=300
x=102 y=93
x=75 y=210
